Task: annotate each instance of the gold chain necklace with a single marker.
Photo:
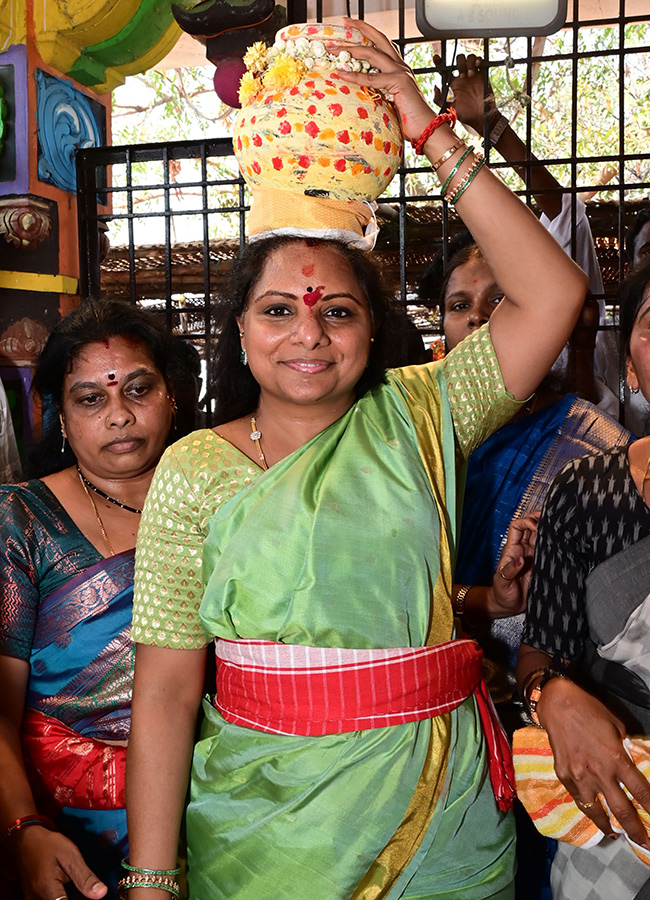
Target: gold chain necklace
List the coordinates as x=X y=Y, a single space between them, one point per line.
x=256 y=437
x=97 y=516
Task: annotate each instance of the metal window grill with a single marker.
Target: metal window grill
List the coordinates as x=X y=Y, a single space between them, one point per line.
x=182 y=278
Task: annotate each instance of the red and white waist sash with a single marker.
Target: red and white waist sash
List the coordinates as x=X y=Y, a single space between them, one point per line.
x=294 y=689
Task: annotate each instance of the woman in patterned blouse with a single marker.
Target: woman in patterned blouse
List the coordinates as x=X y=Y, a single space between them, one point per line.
x=587 y=600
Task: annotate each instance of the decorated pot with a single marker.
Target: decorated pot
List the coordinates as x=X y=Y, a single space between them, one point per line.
x=301 y=127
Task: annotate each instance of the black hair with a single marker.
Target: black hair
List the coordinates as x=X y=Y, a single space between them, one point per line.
x=630 y=297
x=233 y=386
x=94 y=321
x=631 y=234
x=461 y=248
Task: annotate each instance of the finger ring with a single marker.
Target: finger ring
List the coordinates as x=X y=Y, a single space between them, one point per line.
x=500 y=570
x=588 y=804
x=64 y=897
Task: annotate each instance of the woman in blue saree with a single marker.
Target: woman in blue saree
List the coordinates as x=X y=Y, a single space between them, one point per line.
x=66 y=589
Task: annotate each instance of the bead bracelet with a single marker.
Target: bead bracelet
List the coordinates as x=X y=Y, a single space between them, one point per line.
x=162 y=882
x=448 y=117
x=467 y=178
x=25 y=822
x=453 y=172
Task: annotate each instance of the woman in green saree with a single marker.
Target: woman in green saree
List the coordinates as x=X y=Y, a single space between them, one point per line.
x=312 y=534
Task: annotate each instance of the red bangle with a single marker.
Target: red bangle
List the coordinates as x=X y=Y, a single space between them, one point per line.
x=446 y=117
x=25 y=822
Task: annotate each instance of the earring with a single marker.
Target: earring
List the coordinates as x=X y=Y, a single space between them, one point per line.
x=243 y=356
x=634 y=390
x=63 y=433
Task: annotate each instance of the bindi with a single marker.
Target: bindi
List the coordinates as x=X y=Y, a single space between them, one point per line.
x=112 y=379
x=308 y=271
x=313 y=295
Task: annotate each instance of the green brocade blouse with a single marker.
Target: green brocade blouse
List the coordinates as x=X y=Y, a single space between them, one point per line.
x=348 y=542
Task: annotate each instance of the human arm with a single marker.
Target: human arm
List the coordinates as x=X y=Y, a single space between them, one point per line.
x=573 y=536
x=544 y=288
x=45 y=860
x=167 y=691
x=587 y=744
x=506 y=596
x=476 y=109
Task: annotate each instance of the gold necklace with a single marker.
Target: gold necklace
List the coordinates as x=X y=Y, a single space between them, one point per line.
x=97 y=516
x=256 y=437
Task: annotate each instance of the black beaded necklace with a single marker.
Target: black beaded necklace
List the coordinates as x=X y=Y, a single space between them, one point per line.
x=93 y=487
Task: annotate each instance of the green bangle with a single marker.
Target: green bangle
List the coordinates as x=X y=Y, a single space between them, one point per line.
x=129 y=868
x=469 y=150
x=464 y=187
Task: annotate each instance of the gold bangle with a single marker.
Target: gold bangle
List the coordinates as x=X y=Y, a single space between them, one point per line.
x=459 y=602
x=447 y=155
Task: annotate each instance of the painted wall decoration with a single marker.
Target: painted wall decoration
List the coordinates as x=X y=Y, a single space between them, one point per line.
x=67 y=120
x=99 y=42
x=13 y=23
x=3 y=114
x=25 y=222
x=14 y=156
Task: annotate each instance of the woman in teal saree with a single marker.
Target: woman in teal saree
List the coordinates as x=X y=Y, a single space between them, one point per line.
x=312 y=535
x=66 y=591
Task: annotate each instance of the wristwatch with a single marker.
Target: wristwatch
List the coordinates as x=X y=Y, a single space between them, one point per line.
x=497 y=130
x=536 y=692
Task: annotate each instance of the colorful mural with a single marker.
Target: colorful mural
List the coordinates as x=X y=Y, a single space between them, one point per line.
x=67 y=120
x=99 y=42
x=59 y=61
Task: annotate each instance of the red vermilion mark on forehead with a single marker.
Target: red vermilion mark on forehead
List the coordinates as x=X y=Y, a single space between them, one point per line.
x=308 y=270
x=112 y=379
x=313 y=295
x=107 y=343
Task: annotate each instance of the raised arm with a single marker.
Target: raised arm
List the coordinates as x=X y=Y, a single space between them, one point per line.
x=544 y=289
x=477 y=109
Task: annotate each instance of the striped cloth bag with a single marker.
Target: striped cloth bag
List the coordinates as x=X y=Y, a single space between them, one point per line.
x=550 y=805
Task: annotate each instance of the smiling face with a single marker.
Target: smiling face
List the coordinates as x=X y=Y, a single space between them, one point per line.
x=307 y=327
x=471 y=297
x=116 y=409
x=638 y=359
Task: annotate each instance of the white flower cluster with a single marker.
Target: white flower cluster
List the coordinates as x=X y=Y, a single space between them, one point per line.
x=314 y=53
